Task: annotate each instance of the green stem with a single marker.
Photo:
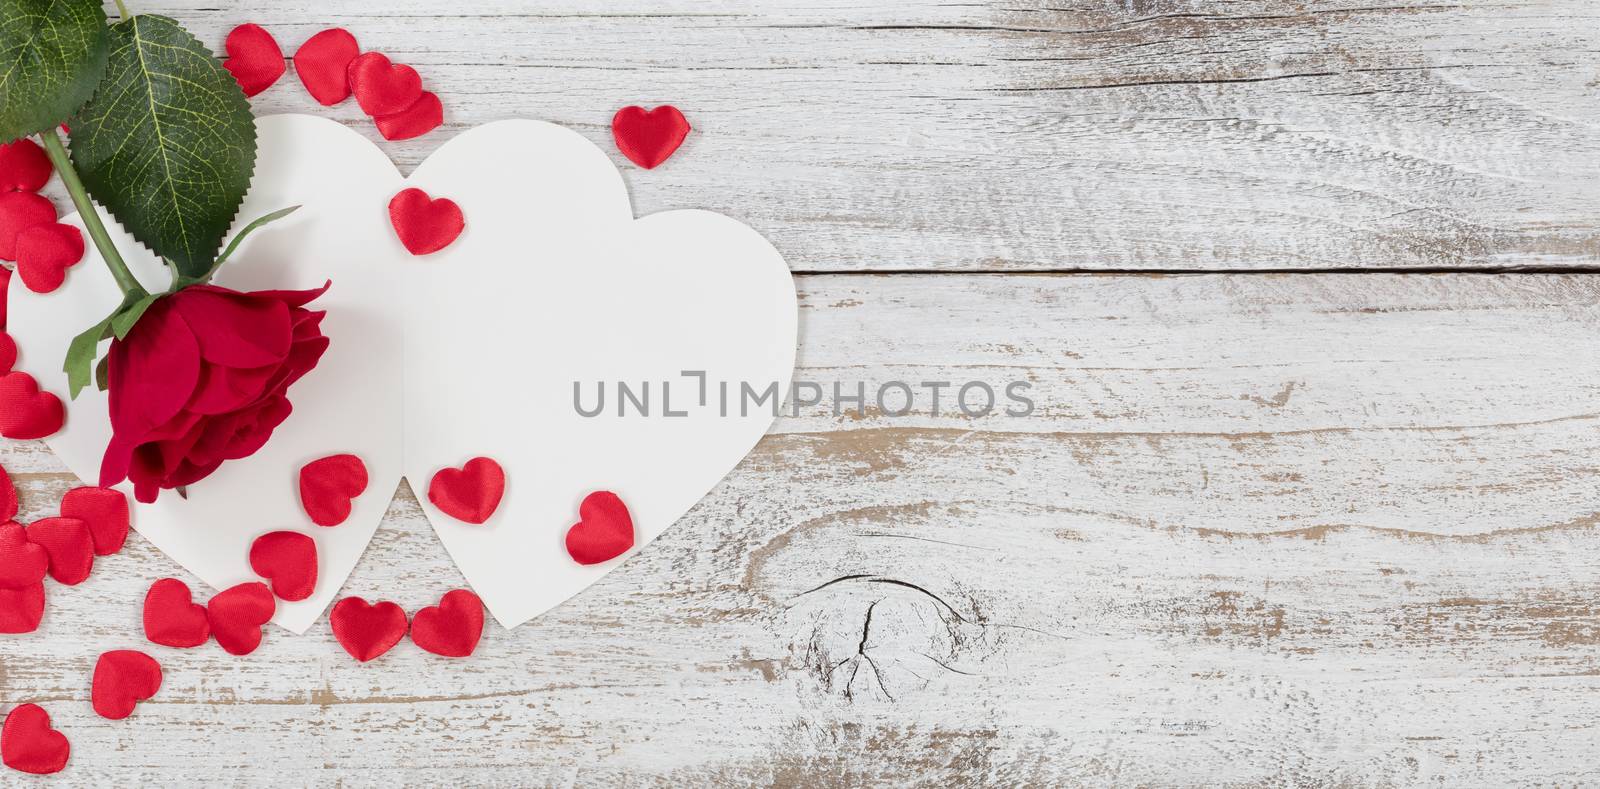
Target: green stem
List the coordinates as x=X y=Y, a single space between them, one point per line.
x=131 y=289
x=122 y=9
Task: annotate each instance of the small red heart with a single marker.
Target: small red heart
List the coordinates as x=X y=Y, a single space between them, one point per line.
x=26 y=412
x=236 y=615
x=28 y=744
x=254 y=58
x=323 y=65
x=367 y=631
x=649 y=137
x=471 y=493
x=171 y=618
x=22 y=563
x=45 y=252
x=425 y=115
x=423 y=224
x=18 y=212
x=106 y=512
x=68 y=544
x=8 y=497
x=122 y=679
x=451 y=628
x=381 y=87
x=328 y=485
x=8 y=346
x=24 y=167
x=604 y=531
x=22 y=609
x=289 y=560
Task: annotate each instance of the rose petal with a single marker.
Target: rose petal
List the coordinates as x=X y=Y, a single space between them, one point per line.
x=235 y=330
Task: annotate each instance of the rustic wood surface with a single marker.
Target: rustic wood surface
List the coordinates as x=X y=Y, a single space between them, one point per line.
x=1333 y=529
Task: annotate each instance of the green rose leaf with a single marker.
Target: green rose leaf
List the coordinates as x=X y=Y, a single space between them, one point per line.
x=168 y=143
x=52 y=53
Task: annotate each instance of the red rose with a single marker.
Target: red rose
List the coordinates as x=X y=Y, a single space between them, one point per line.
x=203 y=378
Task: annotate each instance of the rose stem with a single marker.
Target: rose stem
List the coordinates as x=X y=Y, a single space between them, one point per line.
x=131 y=288
x=122 y=9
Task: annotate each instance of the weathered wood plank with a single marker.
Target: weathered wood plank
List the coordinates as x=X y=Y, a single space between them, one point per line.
x=1261 y=530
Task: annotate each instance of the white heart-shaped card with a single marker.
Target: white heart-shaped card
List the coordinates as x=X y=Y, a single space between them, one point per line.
x=481 y=349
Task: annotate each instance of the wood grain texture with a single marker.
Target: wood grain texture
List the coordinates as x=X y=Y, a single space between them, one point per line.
x=1262 y=530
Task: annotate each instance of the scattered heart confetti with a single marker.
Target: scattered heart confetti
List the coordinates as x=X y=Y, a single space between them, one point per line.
x=423 y=116
x=171 y=618
x=367 y=631
x=9 y=505
x=122 y=679
x=22 y=609
x=288 y=560
x=22 y=563
x=24 y=167
x=328 y=485
x=425 y=225
x=649 y=137
x=28 y=744
x=254 y=58
x=471 y=493
x=8 y=349
x=106 y=512
x=323 y=64
x=45 y=252
x=67 y=543
x=18 y=212
x=382 y=87
x=26 y=412
x=604 y=531
x=451 y=628
x=237 y=614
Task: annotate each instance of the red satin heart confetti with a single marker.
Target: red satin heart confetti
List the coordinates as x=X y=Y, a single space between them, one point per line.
x=18 y=212
x=425 y=225
x=471 y=493
x=367 y=631
x=22 y=609
x=22 y=563
x=423 y=116
x=106 y=512
x=26 y=412
x=67 y=543
x=171 y=618
x=604 y=532
x=28 y=744
x=45 y=252
x=451 y=628
x=649 y=137
x=237 y=614
x=382 y=87
x=9 y=506
x=328 y=485
x=289 y=561
x=323 y=63
x=122 y=679
x=8 y=347
x=254 y=58
x=24 y=167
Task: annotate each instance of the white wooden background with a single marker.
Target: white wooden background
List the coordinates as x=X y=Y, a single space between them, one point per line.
x=1282 y=518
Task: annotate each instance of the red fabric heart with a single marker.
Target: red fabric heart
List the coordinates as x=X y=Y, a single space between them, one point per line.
x=367 y=631
x=45 y=252
x=423 y=224
x=8 y=347
x=381 y=87
x=26 y=412
x=451 y=628
x=28 y=744
x=604 y=532
x=171 y=618
x=328 y=485
x=287 y=559
x=24 y=167
x=323 y=64
x=122 y=679
x=106 y=512
x=22 y=563
x=649 y=137
x=18 y=212
x=22 y=609
x=236 y=615
x=66 y=541
x=471 y=493
x=423 y=116
x=8 y=497
x=254 y=58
